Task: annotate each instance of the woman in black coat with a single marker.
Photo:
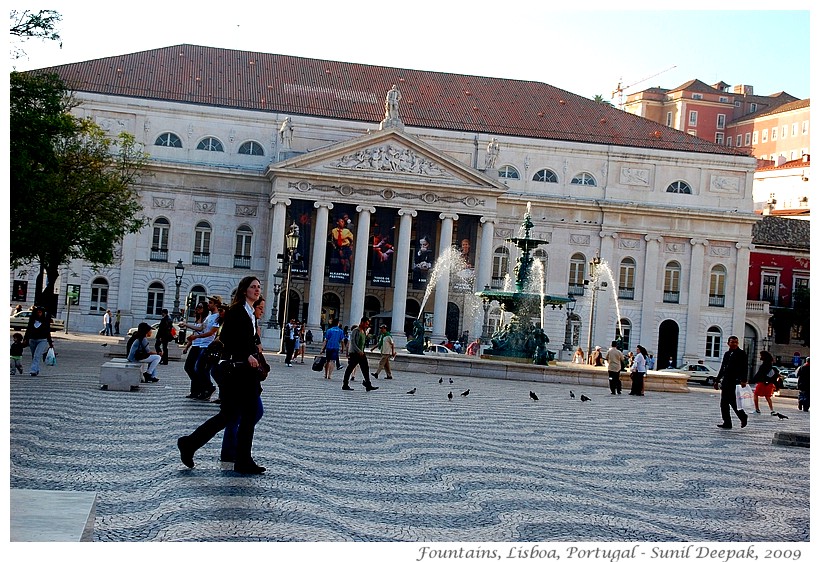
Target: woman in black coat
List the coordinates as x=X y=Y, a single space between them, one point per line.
x=240 y=382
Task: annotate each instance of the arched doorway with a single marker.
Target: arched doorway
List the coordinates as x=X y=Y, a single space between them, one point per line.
x=411 y=308
x=453 y=316
x=372 y=307
x=331 y=304
x=668 y=333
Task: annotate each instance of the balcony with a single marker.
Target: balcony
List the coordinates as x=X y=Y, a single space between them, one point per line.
x=242 y=262
x=201 y=258
x=159 y=255
x=717 y=300
x=497 y=283
x=671 y=296
x=759 y=307
x=575 y=289
x=626 y=293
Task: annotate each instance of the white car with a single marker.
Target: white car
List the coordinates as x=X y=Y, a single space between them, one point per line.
x=789 y=378
x=438 y=349
x=19 y=321
x=704 y=374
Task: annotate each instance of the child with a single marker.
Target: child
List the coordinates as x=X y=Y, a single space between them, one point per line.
x=17 y=353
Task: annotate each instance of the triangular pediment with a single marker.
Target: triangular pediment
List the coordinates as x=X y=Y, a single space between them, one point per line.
x=385 y=158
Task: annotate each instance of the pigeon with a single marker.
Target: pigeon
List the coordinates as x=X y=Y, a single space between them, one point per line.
x=451 y=381
x=585 y=398
x=105 y=345
x=449 y=396
x=533 y=395
x=781 y=416
x=441 y=380
x=466 y=392
x=411 y=391
x=572 y=395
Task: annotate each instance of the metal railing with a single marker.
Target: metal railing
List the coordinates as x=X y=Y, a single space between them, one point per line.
x=159 y=255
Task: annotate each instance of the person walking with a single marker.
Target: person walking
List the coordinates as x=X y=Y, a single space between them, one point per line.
x=732 y=373
x=16 y=353
x=358 y=336
x=332 y=346
x=200 y=313
x=38 y=337
x=204 y=334
x=117 y=318
x=139 y=351
x=388 y=351
x=764 y=380
x=290 y=341
x=803 y=386
x=614 y=362
x=638 y=371
x=164 y=335
x=240 y=385
x=107 y=324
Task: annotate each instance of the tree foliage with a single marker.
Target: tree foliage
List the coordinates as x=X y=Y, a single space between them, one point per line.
x=27 y=24
x=73 y=190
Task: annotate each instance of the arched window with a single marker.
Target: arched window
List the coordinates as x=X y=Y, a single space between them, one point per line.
x=210 y=143
x=252 y=148
x=159 y=242
x=546 y=175
x=679 y=187
x=584 y=178
x=202 y=244
x=577 y=271
x=168 y=139
x=671 y=282
x=508 y=172
x=626 y=279
x=501 y=261
x=713 y=342
x=624 y=332
x=717 y=286
x=242 y=255
x=99 y=294
x=156 y=297
x=197 y=295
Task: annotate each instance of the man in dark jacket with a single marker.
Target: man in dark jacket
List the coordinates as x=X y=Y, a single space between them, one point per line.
x=164 y=336
x=733 y=372
x=803 y=386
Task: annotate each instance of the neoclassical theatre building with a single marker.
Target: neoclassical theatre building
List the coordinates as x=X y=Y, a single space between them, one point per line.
x=383 y=170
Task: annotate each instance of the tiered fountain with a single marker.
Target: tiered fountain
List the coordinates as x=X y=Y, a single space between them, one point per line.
x=520 y=339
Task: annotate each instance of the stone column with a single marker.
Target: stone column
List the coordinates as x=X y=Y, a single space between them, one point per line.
x=360 y=263
x=650 y=295
x=400 y=279
x=277 y=246
x=694 y=340
x=442 y=295
x=317 y=267
x=483 y=268
x=739 y=297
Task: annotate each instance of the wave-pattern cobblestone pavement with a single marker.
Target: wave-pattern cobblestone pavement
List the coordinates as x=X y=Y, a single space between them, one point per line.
x=389 y=466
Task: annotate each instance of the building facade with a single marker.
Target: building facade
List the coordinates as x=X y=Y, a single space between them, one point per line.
x=384 y=170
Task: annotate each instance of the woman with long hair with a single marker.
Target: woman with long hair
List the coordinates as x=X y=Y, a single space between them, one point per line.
x=139 y=351
x=240 y=385
x=764 y=380
x=638 y=371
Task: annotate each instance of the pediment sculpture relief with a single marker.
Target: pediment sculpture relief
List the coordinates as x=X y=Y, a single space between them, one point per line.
x=390 y=159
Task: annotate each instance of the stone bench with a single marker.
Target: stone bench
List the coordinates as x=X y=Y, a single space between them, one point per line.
x=791 y=438
x=120 y=374
x=52 y=515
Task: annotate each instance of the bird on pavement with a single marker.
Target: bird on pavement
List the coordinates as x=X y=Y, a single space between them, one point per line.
x=451 y=381
x=533 y=395
x=105 y=345
x=572 y=395
x=411 y=391
x=585 y=398
x=441 y=380
x=450 y=395
x=781 y=416
x=466 y=392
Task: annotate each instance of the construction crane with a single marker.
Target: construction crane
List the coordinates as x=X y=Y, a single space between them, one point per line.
x=619 y=90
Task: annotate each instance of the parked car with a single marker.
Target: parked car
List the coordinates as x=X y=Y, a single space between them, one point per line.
x=789 y=378
x=704 y=374
x=19 y=321
x=438 y=349
x=154 y=328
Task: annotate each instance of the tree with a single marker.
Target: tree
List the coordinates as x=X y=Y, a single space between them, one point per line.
x=600 y=99
x=26 y=24
x=73 y=192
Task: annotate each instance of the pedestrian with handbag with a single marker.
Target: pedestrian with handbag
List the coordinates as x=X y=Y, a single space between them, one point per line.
x=388 y=351
x=38 y=337
x=638 y=371
x=732 y=373
x=765 y=380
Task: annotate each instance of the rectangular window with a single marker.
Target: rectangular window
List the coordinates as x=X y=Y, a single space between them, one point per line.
x=739 y=140
x=754 y=137
x=753 y=107
x=729 y=140
x=805 y=128
x=693 y=118
x=719 y=138
x=99 y=298
x=721 y=121
x=697 y=96
x=764 y=135
x=774 y=133
x=747 y=139
x=668 y=118
x=784 y=132
x=768 y=288
x=737 y=103
x=723 y=99
x=794 y=129
x=713 y=344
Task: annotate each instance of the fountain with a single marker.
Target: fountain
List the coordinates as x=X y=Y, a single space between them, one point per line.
x=520 y=339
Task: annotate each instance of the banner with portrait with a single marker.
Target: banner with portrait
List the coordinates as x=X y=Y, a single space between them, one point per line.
x=382 y=247
x=340 y=244
x=300 y=213
x=462 y=275
x=424 y=248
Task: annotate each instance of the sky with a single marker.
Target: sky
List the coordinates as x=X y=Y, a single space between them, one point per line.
x=588 y=51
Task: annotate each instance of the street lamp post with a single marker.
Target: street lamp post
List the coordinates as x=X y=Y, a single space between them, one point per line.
x=179 y=271
x=277 y=288
x=291 y=242
x=568 y=333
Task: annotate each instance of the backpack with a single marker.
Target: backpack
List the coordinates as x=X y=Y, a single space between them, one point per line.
x=140 y=353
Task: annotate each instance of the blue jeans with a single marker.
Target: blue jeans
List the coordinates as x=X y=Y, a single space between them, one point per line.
x=229 y=439
x=38 y=348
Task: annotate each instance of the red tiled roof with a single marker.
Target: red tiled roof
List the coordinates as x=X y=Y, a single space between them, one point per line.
x=789 y=106
x=351 y=91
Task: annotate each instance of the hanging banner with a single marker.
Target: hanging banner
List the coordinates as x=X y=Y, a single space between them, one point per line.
x=382 y=247
x=463 y=273
x=424 y=253
x=300 y=213
x=341 y=244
